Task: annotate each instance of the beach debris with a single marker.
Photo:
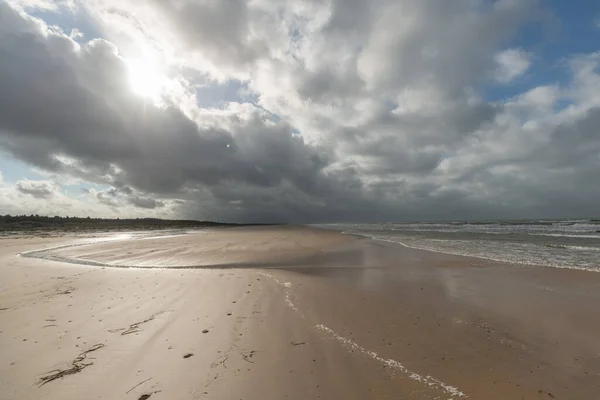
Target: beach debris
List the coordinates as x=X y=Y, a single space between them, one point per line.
x=77 y=365
x=222 y=361
x=134 y=328
x=540 y=391
x=205 y=331
x=212 y=380
x=247 y=355
x=144 y=381
x=188 y=355
x=146 y=396
x=297 y=343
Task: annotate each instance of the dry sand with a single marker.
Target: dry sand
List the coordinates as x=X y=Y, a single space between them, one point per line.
x=345 y=319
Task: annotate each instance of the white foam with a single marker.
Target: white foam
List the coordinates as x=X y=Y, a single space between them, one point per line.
x=491 y=257
x=354 y=347
x=288 y=299
x=393 y=364
x=566 y=235
x=583 y=248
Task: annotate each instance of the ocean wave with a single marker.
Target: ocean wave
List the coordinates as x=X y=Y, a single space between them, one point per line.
x=583 y=248
x=569 y=235
x=567 y=247
x=524 y=255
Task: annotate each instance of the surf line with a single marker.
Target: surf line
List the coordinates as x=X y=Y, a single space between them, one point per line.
x=354 y=347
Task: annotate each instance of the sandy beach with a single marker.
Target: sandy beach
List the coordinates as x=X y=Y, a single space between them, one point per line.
x=287 y=313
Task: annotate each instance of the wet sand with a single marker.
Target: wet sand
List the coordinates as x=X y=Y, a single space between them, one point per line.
x=296 y=313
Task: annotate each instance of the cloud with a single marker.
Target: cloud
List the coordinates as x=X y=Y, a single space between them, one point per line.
x=43 y=5
x=89 y=123
x=104 y=197
x=50 y=198
x=146 y=202
x=374 y=111
x=512 y=64
x=37 y=189
x=116 y=198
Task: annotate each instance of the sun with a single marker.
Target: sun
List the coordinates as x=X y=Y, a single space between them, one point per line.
x=145 y=80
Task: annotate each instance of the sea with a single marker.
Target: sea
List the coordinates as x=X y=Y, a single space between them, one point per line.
x=563 y=243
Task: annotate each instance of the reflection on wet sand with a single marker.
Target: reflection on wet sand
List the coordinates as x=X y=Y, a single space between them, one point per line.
x=312 y=308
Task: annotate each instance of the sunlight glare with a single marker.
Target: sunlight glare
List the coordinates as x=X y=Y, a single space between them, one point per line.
x=145 y=80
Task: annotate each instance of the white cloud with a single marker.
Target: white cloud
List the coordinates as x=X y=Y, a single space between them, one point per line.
x=37 y=189
x=511 y=64
x=49 y=198
x=44 y=5
x=386 y=97
x=76 y=34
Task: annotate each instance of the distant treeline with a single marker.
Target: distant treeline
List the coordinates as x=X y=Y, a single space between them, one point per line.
x=38 y=222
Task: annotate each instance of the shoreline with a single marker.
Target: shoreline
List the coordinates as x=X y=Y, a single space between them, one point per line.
x=339 y=318
x=156 y=234
x=487 y=259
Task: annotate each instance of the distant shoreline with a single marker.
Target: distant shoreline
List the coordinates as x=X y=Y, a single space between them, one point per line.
x=43 y=224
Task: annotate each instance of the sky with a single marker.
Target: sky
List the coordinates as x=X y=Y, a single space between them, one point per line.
x=300 y=111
